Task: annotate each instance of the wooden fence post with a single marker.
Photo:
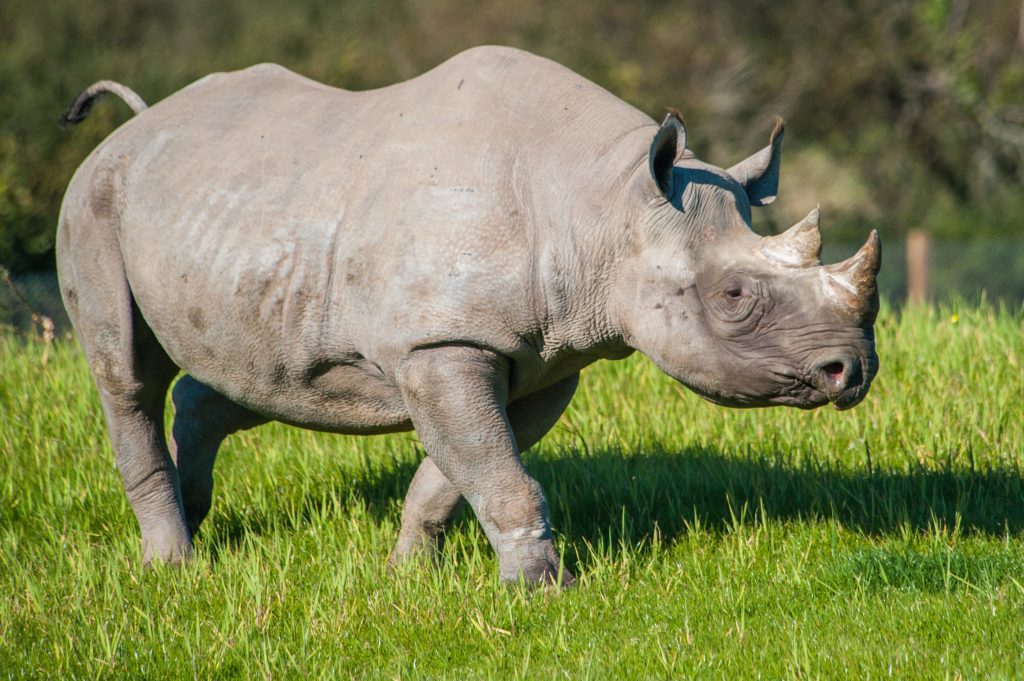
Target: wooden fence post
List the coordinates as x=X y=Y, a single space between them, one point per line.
x=918 y=255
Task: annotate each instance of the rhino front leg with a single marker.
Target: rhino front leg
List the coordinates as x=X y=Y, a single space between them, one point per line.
x=430 y=507
x=432 y=502
x=536 y=414
x=202 y=419
x=456 y=399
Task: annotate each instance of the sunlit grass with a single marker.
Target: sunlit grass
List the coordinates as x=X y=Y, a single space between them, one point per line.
x=888 y=540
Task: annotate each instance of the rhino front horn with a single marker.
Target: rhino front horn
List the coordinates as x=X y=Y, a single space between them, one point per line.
x=798 y=246
x=851 y=283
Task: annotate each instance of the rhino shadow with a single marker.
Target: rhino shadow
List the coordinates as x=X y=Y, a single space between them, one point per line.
x=379 y=488
x=612 y=497
x=629 y=497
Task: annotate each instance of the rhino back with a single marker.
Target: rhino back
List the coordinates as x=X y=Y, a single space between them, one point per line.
x=284 y=238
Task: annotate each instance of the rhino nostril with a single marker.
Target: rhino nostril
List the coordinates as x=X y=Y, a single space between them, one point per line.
x=834 y=370
x=836 y=376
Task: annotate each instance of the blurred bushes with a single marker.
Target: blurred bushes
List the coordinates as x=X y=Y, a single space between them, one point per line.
x=902 y=114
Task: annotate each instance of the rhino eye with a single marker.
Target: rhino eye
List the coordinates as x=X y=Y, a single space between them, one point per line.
x=734 y=293
x=738 y=301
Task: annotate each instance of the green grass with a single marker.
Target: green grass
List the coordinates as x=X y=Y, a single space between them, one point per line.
x=884 y=541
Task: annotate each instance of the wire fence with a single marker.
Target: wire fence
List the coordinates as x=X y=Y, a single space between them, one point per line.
x=31 y=302
x=993 y=268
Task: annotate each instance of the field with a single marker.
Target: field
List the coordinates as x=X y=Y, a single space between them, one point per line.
x=883 y=541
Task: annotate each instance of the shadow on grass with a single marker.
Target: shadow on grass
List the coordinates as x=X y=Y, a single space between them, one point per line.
x=624 y=497
x=613 y=498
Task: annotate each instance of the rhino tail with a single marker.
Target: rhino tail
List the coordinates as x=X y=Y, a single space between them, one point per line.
x=79 y=109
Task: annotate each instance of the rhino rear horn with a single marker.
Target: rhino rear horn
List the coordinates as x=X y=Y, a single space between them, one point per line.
x=759 y=173
x=852 y=283
x=798 y=246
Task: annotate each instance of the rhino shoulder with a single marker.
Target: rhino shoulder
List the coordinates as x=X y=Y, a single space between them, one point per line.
x=502 y=59
x=481 y=53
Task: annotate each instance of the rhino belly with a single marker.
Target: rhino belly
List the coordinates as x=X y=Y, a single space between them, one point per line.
x=253 y=324
x=343 y=394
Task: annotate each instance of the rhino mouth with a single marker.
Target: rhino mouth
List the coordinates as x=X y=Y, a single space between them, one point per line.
x=844 y=402
x=843 y=384
x=797 y=394
x=810 y=397
x=807 y=398
x=830 y=384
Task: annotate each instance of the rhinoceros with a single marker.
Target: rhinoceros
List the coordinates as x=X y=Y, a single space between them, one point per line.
x=443 y=254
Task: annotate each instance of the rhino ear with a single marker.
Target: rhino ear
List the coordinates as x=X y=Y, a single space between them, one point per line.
x=667 y=147
x=759 y=174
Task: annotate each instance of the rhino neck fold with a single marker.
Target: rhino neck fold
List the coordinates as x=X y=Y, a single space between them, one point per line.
x=581 y=250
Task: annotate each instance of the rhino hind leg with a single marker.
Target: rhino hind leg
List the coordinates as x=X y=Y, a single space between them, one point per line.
x=202 y=419
x=132 y=373
x=135 y=422
x=432 y=502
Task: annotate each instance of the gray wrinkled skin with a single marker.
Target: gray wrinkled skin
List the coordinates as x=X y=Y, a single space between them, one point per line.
x=443 y=254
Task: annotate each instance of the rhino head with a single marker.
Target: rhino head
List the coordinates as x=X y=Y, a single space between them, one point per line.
x=743 y=320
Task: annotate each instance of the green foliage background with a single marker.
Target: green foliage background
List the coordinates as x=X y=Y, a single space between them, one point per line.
x=902 y=114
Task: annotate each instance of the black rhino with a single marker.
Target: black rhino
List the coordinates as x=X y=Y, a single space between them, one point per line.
x=444 y=254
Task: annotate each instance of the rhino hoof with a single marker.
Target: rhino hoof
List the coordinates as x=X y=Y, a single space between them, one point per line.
x=533 y=570
x=168 y=547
